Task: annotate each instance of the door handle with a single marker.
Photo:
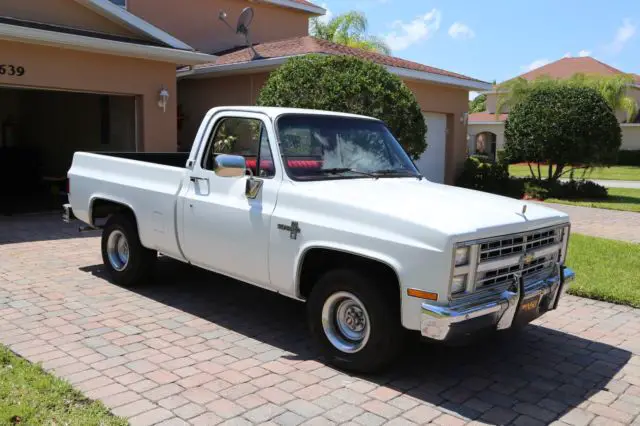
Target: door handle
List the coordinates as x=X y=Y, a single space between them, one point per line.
x=195 y=179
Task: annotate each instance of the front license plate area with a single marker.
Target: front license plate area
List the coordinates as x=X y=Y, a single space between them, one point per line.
x=529 y=310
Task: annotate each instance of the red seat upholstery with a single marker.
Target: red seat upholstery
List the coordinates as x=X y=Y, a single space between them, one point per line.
x=293 y=164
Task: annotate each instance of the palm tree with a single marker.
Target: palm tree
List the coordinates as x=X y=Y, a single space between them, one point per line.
x=349 y=29
x=612 y=88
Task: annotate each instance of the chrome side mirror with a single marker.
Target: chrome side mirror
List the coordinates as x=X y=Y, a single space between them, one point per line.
x=229 y=165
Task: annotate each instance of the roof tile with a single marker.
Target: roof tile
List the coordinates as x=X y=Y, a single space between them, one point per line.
x=481 y=117
x=566 y=67
x=309 y=45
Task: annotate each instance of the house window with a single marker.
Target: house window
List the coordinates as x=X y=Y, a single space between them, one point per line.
x=121 y=3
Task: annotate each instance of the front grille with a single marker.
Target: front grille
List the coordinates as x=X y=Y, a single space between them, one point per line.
x=503 y=277
x=519 y=243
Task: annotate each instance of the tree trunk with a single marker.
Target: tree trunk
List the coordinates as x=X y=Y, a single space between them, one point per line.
x=533 y=175
x=550 y=171
x=558 y=172
x=539 y=173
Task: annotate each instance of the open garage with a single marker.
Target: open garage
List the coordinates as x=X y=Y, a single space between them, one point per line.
x=40 y=131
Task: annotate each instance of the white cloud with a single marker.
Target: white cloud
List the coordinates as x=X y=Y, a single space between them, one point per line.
x=623 y=35
x=407 y=33
x=461 y=31
x=581 y=54
x=327 y=16
x=535 y=64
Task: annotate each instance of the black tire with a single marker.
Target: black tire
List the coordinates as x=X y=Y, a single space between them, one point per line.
x=141 y=260
x=386 y=335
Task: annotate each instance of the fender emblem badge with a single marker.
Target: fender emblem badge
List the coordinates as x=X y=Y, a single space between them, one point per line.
x=293 y=229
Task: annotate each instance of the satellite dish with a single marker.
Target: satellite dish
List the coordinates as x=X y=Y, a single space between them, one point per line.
x=244 y=21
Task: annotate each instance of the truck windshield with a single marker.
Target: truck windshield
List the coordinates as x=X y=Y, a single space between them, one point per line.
x=317 y=147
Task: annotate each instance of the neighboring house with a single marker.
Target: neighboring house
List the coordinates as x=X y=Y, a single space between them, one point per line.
x=486 y=129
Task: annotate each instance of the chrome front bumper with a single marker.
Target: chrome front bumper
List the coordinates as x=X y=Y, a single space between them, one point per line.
x=522 y=303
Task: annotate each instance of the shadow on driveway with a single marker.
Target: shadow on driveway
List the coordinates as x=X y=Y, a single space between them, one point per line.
x=539 y=372
x=27 y=228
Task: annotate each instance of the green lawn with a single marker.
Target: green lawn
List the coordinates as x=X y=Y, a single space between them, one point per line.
x=619 y=199
x=605 y=173
x=30 y=396
x=605 y=269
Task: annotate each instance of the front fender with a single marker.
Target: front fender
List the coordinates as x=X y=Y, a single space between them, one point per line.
x=394 y=264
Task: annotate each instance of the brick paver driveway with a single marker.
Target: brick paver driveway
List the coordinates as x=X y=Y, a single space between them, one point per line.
x=197 y=348
x=613 y=224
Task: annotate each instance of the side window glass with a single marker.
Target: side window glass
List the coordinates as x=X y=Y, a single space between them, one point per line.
x=246 y=137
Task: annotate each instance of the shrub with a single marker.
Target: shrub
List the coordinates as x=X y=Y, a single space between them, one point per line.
x=562 y=125
x=348 y=84
x=483 y=175
x=536 y=190
x=628 y=157
x=573 y=189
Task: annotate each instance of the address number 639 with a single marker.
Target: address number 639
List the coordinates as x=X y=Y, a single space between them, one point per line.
x=12 y=70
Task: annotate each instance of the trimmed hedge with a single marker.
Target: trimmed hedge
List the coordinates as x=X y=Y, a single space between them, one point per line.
x=481 y=174
x=348 y=84
x=564 y=126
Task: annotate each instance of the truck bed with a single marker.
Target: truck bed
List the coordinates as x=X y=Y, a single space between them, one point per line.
x=146 y=182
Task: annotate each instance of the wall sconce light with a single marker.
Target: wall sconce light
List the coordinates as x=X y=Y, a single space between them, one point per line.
x=464 y=118
x=163 y=98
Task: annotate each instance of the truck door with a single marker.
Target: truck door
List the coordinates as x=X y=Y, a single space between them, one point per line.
x=223 y=229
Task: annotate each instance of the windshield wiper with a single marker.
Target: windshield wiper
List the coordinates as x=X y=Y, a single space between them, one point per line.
x=392 y=172
x=340 y=170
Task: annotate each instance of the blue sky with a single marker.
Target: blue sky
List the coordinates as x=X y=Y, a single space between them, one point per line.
x=500 y=39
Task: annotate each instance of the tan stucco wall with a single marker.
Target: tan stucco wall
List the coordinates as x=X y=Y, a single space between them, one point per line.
x=631 y=137
x=51 y=68
x=453 y=102
x=196 y=21
x=198 y=96
x=60 y=12
x=490 y=103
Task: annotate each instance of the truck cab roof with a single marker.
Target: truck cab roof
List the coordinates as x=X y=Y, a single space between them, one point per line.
x=274 y=112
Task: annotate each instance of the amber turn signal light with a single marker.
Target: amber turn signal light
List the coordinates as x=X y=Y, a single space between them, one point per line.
x=420 y=294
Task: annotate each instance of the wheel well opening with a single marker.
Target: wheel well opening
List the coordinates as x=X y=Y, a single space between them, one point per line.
x=318 y=261
x=103 y=209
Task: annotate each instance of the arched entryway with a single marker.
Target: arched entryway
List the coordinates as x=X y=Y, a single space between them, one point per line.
x=485 y=144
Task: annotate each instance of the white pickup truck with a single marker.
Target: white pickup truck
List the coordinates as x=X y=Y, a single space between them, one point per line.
x=327 y=208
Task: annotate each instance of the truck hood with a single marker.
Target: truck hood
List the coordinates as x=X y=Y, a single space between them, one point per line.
x=446 y=209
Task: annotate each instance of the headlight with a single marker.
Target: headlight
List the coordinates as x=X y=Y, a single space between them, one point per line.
x=458 y=284
x=462 y=256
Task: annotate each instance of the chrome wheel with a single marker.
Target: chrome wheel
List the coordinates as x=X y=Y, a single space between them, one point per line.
x=118 y=250
x=346 y=322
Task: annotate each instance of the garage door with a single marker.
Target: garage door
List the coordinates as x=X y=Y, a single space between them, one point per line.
x=431 y=163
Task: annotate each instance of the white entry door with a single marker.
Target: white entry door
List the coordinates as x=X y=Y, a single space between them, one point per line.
x=431 y=163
